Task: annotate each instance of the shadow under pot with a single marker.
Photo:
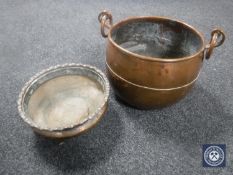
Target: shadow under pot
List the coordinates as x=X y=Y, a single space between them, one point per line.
x=154 y=61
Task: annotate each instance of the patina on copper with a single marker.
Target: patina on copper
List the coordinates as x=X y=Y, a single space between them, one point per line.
x=154 y=61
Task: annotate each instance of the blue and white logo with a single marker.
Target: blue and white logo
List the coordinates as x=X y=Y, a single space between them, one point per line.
x=214 y=155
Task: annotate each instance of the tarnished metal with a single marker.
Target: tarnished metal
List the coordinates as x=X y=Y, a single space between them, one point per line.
x=215 y=35
x=57 y=87
x=154 y=61
x=103 y=18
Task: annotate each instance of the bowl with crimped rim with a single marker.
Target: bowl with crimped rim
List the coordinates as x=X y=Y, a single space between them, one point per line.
x=64 y=100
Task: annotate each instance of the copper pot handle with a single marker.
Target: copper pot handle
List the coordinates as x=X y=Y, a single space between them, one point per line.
x=105 y=19
x=217 y=39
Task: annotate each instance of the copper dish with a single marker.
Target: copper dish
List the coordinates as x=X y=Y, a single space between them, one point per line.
x=154 y=61
x=64 y=100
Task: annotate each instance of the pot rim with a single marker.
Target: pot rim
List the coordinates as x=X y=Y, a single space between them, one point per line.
x=127 y=20
x=43 y=73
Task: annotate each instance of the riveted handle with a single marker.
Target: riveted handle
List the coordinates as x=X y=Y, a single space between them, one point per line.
x=217 y=39
x=105 y=19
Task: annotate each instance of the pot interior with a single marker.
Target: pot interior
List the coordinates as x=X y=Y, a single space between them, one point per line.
x=157 y=37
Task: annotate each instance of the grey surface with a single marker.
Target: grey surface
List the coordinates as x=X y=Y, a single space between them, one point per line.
x=37 y=34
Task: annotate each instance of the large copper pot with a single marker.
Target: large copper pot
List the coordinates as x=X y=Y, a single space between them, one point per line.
x=154 y=61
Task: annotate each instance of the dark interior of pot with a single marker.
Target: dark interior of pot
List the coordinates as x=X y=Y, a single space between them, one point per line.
x=160 y=38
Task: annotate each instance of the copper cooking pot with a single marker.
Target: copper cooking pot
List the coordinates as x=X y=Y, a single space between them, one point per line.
x=154 y=61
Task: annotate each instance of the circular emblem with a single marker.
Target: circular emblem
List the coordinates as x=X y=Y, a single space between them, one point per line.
x=214 y=156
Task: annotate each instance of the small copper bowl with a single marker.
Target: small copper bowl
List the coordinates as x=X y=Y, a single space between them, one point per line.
x=154 y=61
x=64 y=100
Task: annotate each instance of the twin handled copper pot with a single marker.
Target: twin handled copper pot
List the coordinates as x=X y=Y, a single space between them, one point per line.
x=154 y=61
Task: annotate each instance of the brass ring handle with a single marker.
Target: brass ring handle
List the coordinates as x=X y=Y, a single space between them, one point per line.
x=217 y=39
x=105 y=19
